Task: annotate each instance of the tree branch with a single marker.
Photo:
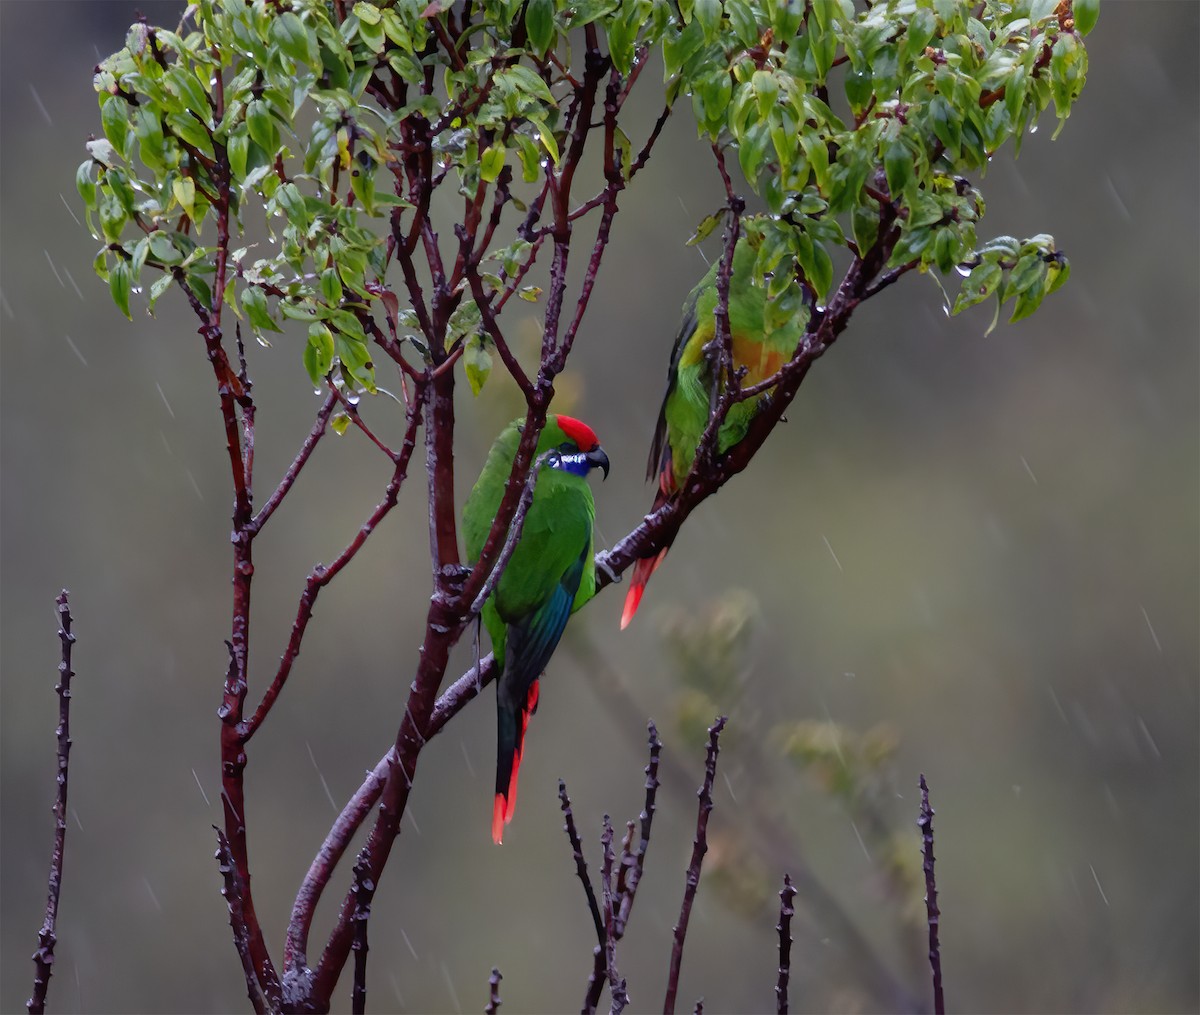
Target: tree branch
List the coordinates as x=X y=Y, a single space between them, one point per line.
x=616 y=983
x=322 y=575
x=298 y=463
x=43 y=958
x=925 y=823
x=632 y=876
x=364 y=891
x=232 y=892
x=580 y=863
x=699 y=848
x=786 y=895
x=494 y=1002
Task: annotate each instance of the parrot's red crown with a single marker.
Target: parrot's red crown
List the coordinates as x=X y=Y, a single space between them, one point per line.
x=582 y=434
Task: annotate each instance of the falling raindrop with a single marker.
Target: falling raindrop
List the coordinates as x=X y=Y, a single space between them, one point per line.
x=353 y=397
x=963 y=269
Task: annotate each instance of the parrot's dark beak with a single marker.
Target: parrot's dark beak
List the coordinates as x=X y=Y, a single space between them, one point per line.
x=598 y=459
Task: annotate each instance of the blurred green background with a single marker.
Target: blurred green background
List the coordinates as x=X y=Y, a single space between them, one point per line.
x=970 y=557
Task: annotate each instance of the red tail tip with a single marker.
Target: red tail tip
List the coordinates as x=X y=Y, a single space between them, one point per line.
x=498 y=820
x=633 y=599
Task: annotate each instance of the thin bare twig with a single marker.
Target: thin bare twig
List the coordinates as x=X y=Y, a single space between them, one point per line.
x=620 y=998
x=580 y=862
x=298 y=463
x=43 y=958
x=494 y=1001
x=786 y=895
x=322 y=574
x=364 y=892
x=631 y=876
x=699 y=848
x=925 y=823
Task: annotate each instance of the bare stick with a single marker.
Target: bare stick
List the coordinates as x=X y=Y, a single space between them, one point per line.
x=699 y=848
x=580 y=862
x=232 y=891
x=595 y=981
x=925 y=823
x=43 y=958
x=786 y=894
x=494 y=1001
x=620 y=998
x=632 y=877
x=364 y=892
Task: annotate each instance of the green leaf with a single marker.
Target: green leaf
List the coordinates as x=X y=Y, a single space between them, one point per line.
x=984 y=280
x=367 y=13
x=261 y=125
x=238 y=147
x=290 y=35
x=864 y=223
x=548 y=140
x=159 y=286
x=705 y=228
x=84 y=183
x=184 y=189
x=318 y=353
x=477 y=361
x=120 y=284
x=331 y=287
x=1086 y=14
x=254 y=303
x=114 y=117
x=491 y=163
x=340 y=423
x=539 y=25
x=898 y=165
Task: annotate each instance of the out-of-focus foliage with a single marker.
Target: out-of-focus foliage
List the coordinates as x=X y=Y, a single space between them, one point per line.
x=290 y=109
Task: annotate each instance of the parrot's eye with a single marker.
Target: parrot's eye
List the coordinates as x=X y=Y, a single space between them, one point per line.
x=568 y=448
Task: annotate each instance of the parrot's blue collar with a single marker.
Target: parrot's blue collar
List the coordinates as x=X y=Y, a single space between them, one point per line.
x=577 y=464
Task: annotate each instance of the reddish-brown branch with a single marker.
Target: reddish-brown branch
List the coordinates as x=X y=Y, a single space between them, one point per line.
x=352 y=413
x=699 y=848
x=322 y=575
x=43 y=958
x=439 y=464
x=232 y=890
x=492 y=325
x=298 y=463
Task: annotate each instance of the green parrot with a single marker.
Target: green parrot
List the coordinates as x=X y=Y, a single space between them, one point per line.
x=549 y=576
x=686 y=405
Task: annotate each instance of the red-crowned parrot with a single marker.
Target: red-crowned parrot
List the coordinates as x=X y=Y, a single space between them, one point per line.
x=549 y=576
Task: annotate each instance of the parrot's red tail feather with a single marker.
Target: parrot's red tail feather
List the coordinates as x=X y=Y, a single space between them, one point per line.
x=505 y=804
x=642 y=571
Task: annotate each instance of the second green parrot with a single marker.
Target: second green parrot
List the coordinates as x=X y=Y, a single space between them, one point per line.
x=686 y=405
x=549 y=576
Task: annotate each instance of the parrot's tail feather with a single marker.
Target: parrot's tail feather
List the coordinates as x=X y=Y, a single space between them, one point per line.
x=642 y=571
x=508 y=766
x=646 y=566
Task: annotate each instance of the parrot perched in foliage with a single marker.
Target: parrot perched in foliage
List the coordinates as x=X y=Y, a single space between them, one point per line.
x=762 y=350
x=549 y=576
